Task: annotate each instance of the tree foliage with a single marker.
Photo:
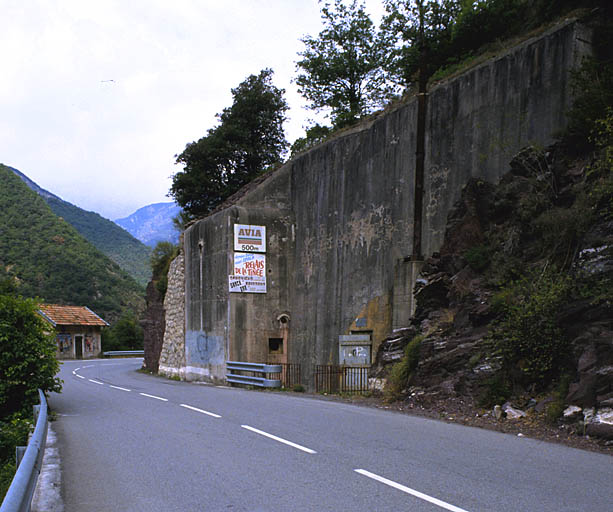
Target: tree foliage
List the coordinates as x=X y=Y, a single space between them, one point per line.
x=125 y=334
x=403 y=23
x=248 y=139
x=314 y=135
x=163 y=254
x=341 y=69
x=27 y=355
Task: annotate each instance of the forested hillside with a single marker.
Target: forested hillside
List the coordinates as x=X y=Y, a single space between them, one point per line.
x=125 y=250
x=119 y=245
x=46 y=257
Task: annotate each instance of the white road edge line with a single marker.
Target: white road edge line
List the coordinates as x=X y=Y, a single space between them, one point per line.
x=281 y=440
x=156 y=397
x=117 y=387
x=96 y=382
x=200 y=410
x=80 y=376
x=410 y=491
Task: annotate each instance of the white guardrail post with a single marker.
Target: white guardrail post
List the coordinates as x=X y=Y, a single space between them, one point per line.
x=19 y=496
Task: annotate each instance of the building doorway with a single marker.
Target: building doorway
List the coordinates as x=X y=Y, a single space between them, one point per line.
x=78 y=347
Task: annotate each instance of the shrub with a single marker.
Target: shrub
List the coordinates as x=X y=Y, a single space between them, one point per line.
x=13 y=432
x=401 y=372
x=496 y=391
x=478 y=258
x=527 y=338
x=27 y=356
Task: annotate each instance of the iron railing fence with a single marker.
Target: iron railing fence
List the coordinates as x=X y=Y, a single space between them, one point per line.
x=290 y=375
x=330 y=378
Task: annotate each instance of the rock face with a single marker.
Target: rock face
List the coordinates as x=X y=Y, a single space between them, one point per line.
x=153 y=327
x=458 y=294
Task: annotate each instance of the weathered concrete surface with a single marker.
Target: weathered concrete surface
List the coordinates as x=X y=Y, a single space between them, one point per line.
x=340 y=216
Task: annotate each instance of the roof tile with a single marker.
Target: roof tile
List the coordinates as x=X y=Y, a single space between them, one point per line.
x=70 y=315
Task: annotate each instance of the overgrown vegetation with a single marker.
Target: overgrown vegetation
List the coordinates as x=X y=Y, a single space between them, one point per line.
x=399 y=377
x=126 y=333
x=163 y=254
x=351 y=69
x=527 y=339
x=27 y=363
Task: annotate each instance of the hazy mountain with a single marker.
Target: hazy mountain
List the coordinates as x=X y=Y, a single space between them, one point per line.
x=44 y=256
x=125 y=250
x=153 y=223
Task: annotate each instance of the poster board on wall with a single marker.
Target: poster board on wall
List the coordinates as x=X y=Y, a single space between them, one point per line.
x=249 y=273
x=248 y=238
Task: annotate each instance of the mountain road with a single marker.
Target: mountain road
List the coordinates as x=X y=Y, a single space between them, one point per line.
x=135 y=442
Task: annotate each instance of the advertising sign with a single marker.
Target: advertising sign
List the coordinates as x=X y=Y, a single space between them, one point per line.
x=249 y=238
x=249 y=275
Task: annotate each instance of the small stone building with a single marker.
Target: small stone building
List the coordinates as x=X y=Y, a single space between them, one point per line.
x=78 y=330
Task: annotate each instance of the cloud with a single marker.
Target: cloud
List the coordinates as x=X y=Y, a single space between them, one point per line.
x=98 y=97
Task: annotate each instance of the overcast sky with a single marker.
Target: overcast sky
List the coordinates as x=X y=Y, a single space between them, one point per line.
x=96 y=97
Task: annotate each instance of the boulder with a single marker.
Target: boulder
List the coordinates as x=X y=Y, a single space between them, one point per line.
x=497 y=412
x=572 y=413
x=600 y=424
x=512 y=412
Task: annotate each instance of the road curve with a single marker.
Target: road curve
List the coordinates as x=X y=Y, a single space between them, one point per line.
x=134 y=442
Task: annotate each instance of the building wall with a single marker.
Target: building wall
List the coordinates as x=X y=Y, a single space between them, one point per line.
x=67 y=340
x=340 y=217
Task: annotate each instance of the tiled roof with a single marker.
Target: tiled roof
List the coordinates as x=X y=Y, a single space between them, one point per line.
x=70 y=315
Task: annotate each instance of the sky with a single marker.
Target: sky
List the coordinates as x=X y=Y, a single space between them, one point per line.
x=97 y=97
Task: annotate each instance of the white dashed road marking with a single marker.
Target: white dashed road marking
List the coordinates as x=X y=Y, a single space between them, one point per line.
x=156 y=397
x=118 y=387
x=279 y=439
x=200 y=410
x=410 y=491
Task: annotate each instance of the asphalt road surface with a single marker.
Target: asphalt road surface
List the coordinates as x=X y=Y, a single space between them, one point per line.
x=133 y=442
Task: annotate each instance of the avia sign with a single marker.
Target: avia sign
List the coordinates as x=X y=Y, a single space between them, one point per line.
x=249 y=238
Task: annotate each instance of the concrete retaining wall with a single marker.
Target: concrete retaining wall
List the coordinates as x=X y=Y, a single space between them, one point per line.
x=340 y=217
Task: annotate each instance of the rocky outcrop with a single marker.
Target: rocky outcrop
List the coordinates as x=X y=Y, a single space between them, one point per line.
x=153 y=327
x=492 y=236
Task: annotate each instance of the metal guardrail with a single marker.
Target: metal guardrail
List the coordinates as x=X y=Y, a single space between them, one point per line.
x=19 y=496
x=251 y=380
x=120 y=353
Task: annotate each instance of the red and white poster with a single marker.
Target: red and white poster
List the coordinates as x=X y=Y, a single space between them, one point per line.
x=249 y=274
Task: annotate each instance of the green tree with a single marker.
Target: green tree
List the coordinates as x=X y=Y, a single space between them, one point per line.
x=403 y=23
x=342 y=68
x=27 y=355
x=125 y=334
x=248 y=140
x=314 y=135
x=163 y=254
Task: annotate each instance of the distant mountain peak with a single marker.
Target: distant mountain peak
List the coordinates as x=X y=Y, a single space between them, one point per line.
x=152 y=223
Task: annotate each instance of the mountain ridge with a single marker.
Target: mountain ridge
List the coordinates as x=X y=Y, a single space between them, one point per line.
x=43 y=256
x=152 y=223
x=111 y=239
